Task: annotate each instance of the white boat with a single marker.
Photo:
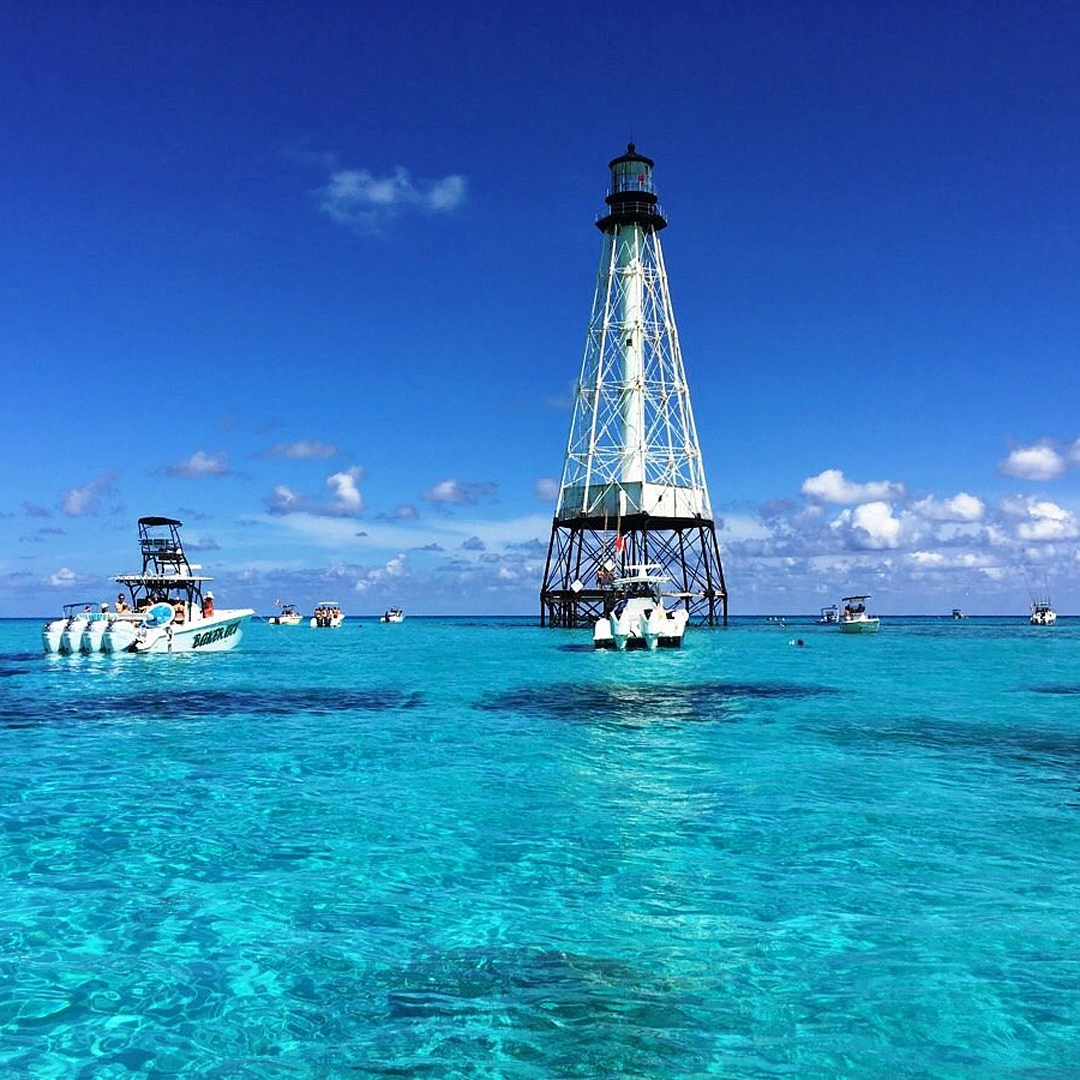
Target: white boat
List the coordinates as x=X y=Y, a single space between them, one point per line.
x=327 y=615
x=288 y=616
x=639 y=619
x=394 y=614
x=957 y=613
x=169 y=611
x=829 y=616
x=853 y=616
x=1042 y=614
x=52 y=633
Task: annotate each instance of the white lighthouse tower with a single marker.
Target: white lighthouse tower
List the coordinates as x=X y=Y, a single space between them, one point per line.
x=633 y=484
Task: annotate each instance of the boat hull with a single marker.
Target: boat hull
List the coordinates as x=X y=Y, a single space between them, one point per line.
x=120 y=634
x=869 y=625
x=632 y=630
x=217 y=633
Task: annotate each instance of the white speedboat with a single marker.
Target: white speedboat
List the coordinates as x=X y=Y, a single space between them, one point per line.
x=52 y=633
x=328 y=615
x=957 y=613
x=1042 y=614
x=288 y=616
x=169 y=610
x=394 y=614
x=829 y=616
x=639 y=619
x=853 y=616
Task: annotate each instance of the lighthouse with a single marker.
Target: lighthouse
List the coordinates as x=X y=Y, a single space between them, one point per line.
x=633 y=489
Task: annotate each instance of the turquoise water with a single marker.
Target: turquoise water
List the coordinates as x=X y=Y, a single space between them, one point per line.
x=477 y=847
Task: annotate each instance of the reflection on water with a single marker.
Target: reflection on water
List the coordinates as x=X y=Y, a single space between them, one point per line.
x=637 y=703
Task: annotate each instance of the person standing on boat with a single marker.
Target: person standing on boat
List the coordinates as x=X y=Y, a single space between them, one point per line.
x=208 y=605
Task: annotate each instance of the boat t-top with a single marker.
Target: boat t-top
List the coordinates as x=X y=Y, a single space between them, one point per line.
x=638 y=618
x=287 y=616
x=853 y=616
x=1042 y=613
x=165 y=609
x=327 y=615
x=394 y=614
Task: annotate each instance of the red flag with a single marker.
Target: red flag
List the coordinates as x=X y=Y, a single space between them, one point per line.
x=620 y=540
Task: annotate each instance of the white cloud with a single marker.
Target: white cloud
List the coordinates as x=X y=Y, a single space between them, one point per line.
x=738 y=527
x=445 y=491
x=1048 y=521
x=446 y=532
x=870 y=525
x=394 y=568
x=201 y=464
x=927 y=558
x=360 y=199
x=450 y=491
x=346 y=501
x=304 y=449
x=962 y=560
x=66 y=578
x=832 y=486
x=961 y=507
x=1039 y=462
x=86 y=501
x=283 y=500
x=347 y=497
x=547 y=489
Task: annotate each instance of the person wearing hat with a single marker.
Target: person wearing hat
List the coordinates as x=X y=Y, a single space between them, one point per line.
x=208 y=605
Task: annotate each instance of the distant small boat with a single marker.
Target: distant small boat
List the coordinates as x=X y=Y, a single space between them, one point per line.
x=957 y=613
x=830 y=616
x=328 y=615
x=853 y=616
x=394 y=614
x=1042 y=614
x=288 y=616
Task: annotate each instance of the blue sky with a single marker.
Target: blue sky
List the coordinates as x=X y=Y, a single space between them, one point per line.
x=315 y=279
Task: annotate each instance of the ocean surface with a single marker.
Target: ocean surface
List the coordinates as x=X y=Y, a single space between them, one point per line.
x=476 y=847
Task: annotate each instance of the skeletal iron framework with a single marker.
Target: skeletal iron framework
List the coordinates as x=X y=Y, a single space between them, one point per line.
x=633 y=486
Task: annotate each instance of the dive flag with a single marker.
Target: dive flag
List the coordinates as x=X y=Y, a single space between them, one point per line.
x=620 y=541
